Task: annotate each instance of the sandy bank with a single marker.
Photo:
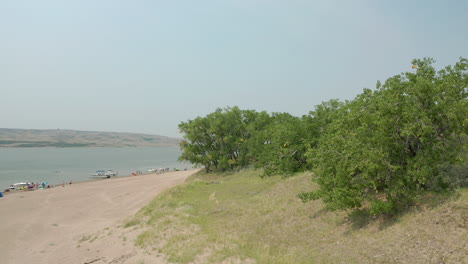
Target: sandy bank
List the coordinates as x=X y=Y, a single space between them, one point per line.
x=57 y=225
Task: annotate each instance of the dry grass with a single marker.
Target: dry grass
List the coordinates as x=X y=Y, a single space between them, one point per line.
x=241 y=218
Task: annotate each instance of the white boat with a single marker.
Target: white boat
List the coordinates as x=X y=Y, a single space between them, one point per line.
x=104 y=174
x=99 y=173
x=19 y=185
x=111 y=173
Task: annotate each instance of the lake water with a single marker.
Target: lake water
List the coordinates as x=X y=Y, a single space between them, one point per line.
x=57 y=165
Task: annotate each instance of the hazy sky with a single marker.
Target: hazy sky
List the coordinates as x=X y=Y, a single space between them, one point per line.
x=145 y=66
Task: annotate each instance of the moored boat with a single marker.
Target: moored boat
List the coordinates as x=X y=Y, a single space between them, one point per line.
x=104 y=174
x=19 y=185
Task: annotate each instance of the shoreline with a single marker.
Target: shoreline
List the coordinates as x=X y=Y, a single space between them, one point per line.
x=57 y=165
x=54 y=225
x=52 y=186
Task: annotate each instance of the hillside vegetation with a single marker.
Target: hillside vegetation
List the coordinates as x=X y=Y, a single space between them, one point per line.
x=381 y=150
x=242 y=218
x=384 y=175
x=73 y=138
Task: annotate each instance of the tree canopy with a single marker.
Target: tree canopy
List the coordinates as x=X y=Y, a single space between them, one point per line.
x=387 y=145
x=378 y=150
x=219 y=141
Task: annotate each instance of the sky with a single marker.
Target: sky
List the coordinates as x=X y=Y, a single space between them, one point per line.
x=144 y=66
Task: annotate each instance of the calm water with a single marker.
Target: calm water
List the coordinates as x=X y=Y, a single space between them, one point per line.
x=55 y=165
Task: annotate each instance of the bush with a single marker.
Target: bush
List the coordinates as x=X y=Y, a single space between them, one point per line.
x=387 y=146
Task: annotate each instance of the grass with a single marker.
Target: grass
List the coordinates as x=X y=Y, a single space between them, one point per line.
x=241 y=218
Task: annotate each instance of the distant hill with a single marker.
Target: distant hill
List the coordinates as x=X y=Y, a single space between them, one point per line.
x=72 y=138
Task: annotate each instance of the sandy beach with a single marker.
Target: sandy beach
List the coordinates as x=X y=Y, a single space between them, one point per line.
x=79 y=223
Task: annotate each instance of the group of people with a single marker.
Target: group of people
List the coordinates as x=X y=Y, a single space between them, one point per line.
x=29 y=186
x=162 y=170
x=158 y=171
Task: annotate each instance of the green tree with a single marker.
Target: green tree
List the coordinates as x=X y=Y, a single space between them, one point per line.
x=317 y=122
x=220 y=141
x=255 y=136
x=387 y=145
x=283 y=147
x=198 y=145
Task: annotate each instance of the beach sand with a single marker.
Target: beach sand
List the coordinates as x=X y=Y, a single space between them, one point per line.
x=80 y=223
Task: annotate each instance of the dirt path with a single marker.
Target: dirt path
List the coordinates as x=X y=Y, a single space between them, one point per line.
x=79 y=223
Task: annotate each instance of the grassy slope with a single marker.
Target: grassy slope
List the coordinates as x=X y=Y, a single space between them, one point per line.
x=242 y=218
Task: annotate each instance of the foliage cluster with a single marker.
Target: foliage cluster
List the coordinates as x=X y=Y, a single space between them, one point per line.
x=219 y=141
x=379 y=150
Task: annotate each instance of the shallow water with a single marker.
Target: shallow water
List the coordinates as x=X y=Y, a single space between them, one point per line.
x=57 y=165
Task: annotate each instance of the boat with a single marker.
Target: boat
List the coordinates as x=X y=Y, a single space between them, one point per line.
x=99 y=173
x=19 y=185
x=104 y=174
x=111 y=173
